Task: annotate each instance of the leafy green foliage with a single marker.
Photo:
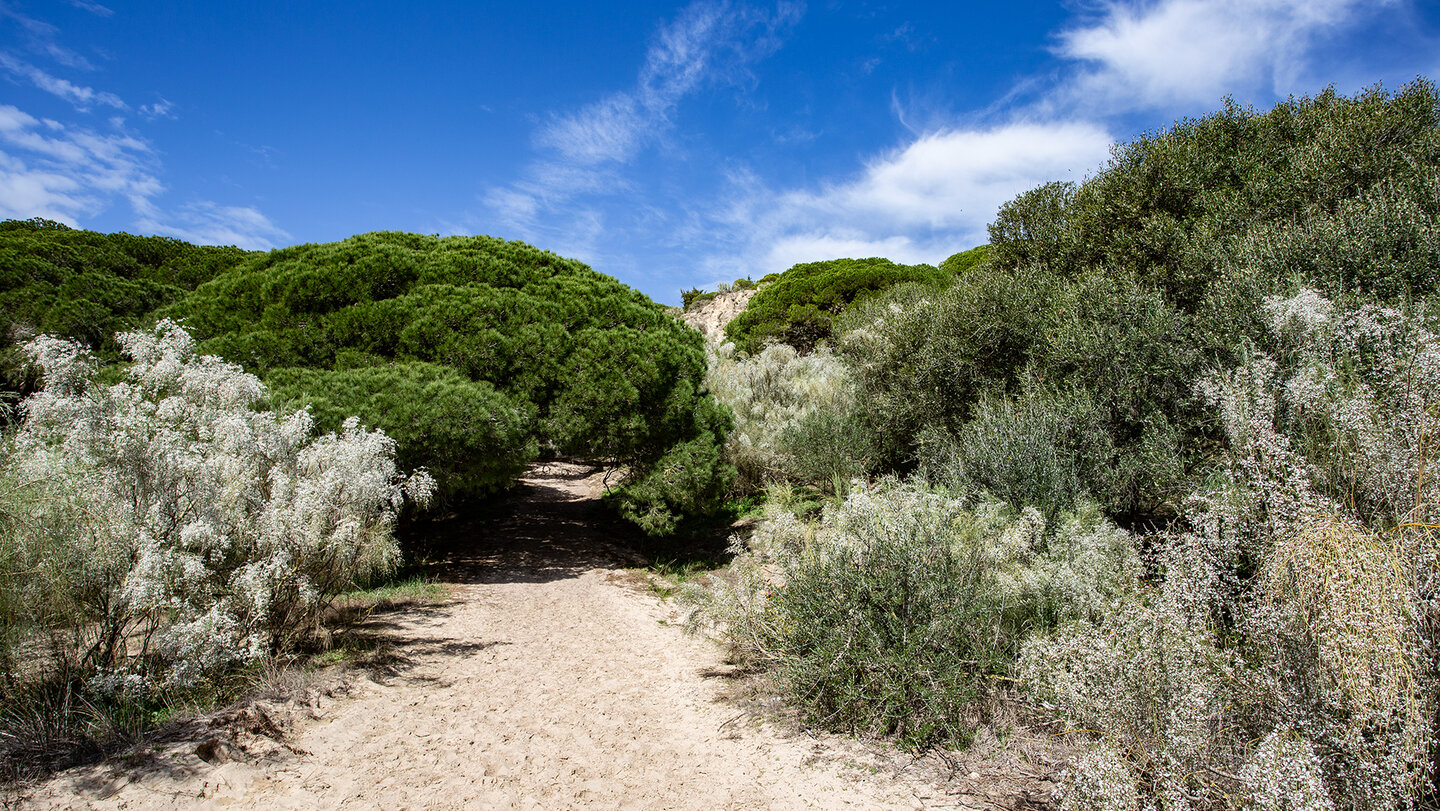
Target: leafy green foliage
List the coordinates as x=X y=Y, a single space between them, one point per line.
x=963 y=261
x=1336 y=192
x=563 y=358
x=1227 y=338
x=694 y=297
x=1065 y=361
x=890 y=614
x=798 y=306
x=88 y=286
x=469 y=435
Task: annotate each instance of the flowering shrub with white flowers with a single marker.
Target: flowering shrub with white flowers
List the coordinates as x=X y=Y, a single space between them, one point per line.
x=1285 y=654
x=166 y=527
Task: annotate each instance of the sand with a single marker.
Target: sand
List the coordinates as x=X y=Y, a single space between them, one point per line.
x=547 y=680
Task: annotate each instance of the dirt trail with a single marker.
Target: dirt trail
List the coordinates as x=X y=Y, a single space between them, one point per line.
x=548 y=681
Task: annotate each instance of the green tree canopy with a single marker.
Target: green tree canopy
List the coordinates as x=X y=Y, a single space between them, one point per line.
x=88 y=286
x=564 y=359
x=798 y=306
x=1339 y=192
x=1068 y=360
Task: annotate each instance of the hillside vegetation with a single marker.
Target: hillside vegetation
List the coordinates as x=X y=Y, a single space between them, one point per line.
x=476 y=354
x=88 y=286
x=1164 y=459
x=184 y=502
x=1156 y=467
x=798 y=306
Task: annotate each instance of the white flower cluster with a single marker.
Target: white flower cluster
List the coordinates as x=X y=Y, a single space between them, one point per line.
x=210 y=532
x=1099 y=780
x=1284 y=774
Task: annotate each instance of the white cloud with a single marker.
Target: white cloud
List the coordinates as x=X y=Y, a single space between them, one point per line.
x=65 y=56
x=920 y=203
x=82 y=97
x=27 y=192
x=159 y=109
x=51 y=170
x=707 y=41
x=65 y=172
x=957 y=179
x=608 y=130
x=583 y=152
x=208 y=223
x=1159 y=54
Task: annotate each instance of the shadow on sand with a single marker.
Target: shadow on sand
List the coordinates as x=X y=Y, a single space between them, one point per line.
x=551 y=527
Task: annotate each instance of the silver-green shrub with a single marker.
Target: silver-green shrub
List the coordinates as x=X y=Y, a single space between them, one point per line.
x=893 y=611
x=793 y=415
x=1284 y=648
x=170 y=529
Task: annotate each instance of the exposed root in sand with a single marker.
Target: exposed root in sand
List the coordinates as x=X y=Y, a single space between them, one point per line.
x=545 y=682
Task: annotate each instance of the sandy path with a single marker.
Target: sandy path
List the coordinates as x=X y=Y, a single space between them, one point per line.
x=547 y=682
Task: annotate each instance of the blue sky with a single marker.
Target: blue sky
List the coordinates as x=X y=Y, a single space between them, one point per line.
x=668 y=144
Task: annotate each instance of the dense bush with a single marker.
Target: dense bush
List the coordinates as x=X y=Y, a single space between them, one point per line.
x=160 y=530
x=1100 y=305
x=694 y=297
x=796 y=418
x=1227 y=337
x=797 y=307
x=566 y=360
x=465 y=432
x=889 y=614
x=1034 y=389
x=1337 y=192
x=958 y=263
x=1289 y=647
x=87 y=286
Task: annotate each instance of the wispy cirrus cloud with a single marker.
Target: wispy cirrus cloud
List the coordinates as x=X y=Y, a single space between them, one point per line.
x=707 y=42
x=77 y=169
x=582 y=152
x=209 y=223
x=94 y=8
x=40 y=38
x=82 y=97
x=163 y=108
x=66 y=173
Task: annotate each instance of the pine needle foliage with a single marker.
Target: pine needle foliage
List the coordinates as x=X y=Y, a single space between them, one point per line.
x=565 y=360
x=798 y=306
x=87 y=286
